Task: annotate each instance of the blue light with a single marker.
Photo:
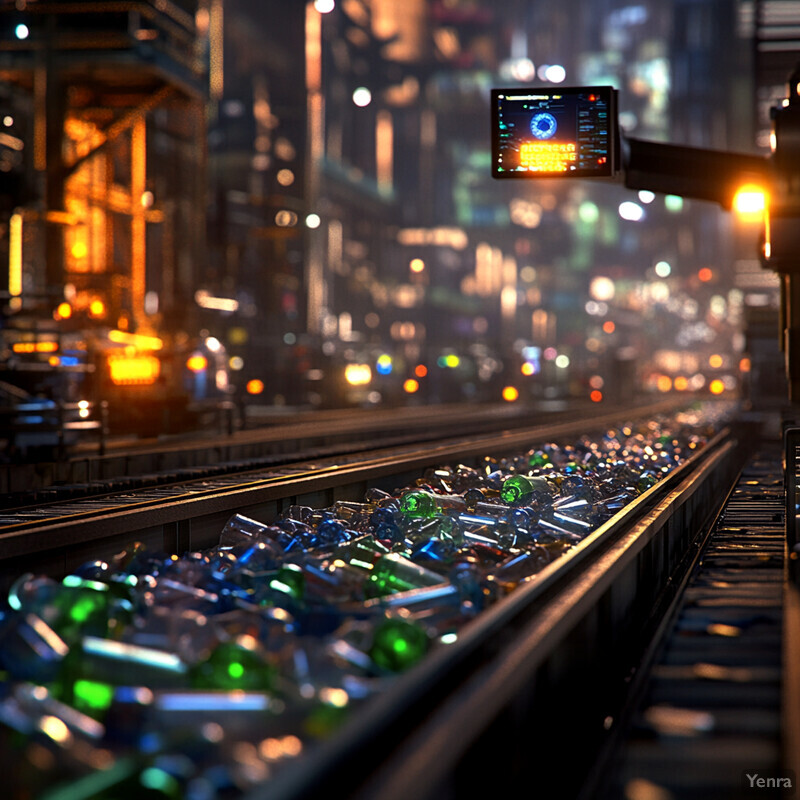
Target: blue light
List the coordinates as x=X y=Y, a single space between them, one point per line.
x=384 y=365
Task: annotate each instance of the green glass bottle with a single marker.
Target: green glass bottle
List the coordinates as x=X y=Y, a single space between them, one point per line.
x=238 y=664
x=419 y=503
x=521 y=489
x=398 y=644
x=395 y=573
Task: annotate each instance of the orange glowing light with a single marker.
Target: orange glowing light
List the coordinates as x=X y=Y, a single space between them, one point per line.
x=417 y=265
x=609 y=326
x=547 y=156
x=681 y=383
x=527 y=368
x=705 y=274
x=510 y=394
x=596 y=396
x=664 y=383
x=196 y=363
x=35 y=347
x=716 y=386
x=63 y=311
x=411 y=386
x=126 y=370
x=715 y=361
x=744 y=365
x=420 y=370
x=97 y=308
x=255 y=386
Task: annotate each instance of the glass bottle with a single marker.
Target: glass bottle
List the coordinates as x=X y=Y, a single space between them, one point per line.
x=395 y=573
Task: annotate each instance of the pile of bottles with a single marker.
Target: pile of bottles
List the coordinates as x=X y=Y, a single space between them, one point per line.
x=200 y=675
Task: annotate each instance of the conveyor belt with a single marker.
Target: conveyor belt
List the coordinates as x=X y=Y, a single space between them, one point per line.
x=710 y=710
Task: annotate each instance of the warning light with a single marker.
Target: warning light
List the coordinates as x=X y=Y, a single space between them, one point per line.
x=255 y=386
x=750 y=202
x=97 y=308
x=196 y=363
x=411 y=386
x=137 y=369
x=510 y=394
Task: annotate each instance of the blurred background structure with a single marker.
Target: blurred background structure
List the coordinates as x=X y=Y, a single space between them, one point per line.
x=289 y=204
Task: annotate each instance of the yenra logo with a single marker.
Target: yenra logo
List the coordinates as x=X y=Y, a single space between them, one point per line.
x=757 y=782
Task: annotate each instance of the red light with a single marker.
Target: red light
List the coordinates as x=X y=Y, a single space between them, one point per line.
x=596 y=396
x=592 y=98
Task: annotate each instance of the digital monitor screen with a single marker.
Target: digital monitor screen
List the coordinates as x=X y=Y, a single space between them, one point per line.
x=552 y=132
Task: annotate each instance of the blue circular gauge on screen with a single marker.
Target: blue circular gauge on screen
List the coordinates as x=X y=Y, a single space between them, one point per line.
x=543 y=125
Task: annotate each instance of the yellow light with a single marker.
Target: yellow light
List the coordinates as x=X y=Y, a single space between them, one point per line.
x=411 y=386
x=54 y=361
x=97 y=308
x=417 y=265
x=547 y=156
x=196 y=363
x=527 y=368
x=63 y=311
x=79 y=250
x=255 y=386
x=56 y=729
x=681 y=383
x=137 y=340
x=510 y=394
x=358 y=374
x=452 y=360
x=15 y=255
x=664 y=383
x=715 y=361
x=126 y=370
x=750 y=201
x=716 y=386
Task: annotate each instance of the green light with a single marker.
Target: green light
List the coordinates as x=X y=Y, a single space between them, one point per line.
x=398 y=644
x=235 y=670
x=82 y=609
x=92 y=694
x=157 y=780
x=673 y=202
x=588 y=212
